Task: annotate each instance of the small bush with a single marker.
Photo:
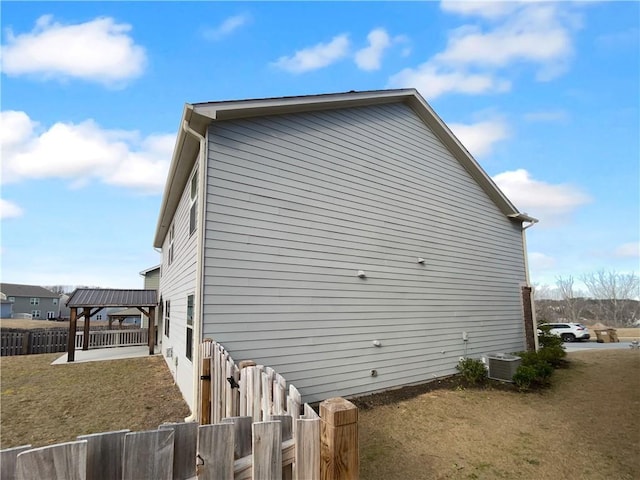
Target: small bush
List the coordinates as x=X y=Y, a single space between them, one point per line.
x=553 y=355
x=534 y=372
x=547 y=339
x=473 y=371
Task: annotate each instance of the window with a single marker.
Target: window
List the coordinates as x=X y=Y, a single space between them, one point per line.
x=170 y=253
x=167 y=316
x=35 y=313
x=55 y=301
x=99 y=316
x=12 y=299
x=193 y=220
x=189 y=351
x=34 y=301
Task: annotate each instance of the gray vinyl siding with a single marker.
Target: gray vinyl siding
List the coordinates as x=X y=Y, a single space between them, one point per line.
x=177 y=281
x=298 y=204
x=23 y=305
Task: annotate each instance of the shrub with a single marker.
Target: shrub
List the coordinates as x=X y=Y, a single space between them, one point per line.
x=534 y=371
x=473 y=371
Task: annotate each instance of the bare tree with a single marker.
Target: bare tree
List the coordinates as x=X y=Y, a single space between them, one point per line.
x=616 y=294
x=573 y=301
x=60 y=289
x=544 y=297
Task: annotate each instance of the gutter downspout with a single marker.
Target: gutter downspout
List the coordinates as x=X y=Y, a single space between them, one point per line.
x=197 y=323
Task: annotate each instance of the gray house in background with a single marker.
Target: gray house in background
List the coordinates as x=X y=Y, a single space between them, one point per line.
x=152 y=282
x=349 y=241
x=32 y=300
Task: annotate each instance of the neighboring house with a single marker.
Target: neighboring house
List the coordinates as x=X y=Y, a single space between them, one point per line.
x=151 y=278
x=6 y=307
x=152 y=282
x=128 y=316
x=33 y=300
x=349 y=241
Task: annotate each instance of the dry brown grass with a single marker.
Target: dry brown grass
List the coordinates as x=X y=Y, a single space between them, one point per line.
x=42 y=404
x=586 y=427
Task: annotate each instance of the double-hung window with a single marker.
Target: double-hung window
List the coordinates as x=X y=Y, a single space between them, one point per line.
x=34 y=301
x=189 y=338
x=167 y=316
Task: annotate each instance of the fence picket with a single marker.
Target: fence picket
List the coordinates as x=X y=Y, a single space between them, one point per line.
x=267 y=451
x=8 y=458
x=184 y=448
x=104 y=454
x=215 y=452
x=242 y=435
x=64 y=460
x=148 y=455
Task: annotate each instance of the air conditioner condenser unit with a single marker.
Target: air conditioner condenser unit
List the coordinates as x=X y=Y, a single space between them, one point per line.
x=503 y=366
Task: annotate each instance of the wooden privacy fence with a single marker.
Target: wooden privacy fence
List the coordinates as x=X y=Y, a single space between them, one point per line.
x=259 y=394
x=33 y=341
x=229 y=390
x=237 y=449
x=27 y=342
x=114 y=338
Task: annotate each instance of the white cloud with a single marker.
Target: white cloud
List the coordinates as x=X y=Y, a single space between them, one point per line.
x=369 y=57
x=539 y=261
x=479 y=56
x=315 y=57
x=551 y=203
x=534 y=34
x=9 y=209
x=479 y=138
x=433 y=81
x=628 y=250
x=100 y=50
x=83 y=151
x=557 y=116
x=227 y=27
x=482 y=8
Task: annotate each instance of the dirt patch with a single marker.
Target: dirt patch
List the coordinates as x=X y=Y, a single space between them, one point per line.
x=585 y=427
x=44 y=404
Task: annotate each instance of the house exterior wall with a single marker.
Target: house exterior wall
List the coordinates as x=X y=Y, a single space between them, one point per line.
x=178 y=280
x=298 y=204
x=152 y=280
x=44 y=305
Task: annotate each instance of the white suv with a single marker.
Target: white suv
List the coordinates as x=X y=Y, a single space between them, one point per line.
x=569 y=332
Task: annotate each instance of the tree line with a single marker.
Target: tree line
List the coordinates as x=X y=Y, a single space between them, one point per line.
x=609 y=297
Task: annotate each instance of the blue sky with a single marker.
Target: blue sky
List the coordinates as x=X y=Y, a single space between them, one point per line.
x=544 y=95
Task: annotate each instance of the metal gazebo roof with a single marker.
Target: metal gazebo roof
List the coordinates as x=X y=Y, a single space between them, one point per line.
x=104 y=297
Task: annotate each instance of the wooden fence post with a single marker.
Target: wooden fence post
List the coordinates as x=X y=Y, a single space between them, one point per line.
x=339 y=439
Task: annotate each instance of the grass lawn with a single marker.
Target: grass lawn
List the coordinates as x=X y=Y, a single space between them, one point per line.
x=585 y=427
x=43 y=404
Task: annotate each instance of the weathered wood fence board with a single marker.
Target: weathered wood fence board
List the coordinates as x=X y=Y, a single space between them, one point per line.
x=148 y=455
x=267 y=450
x=8 y=458
x=184 y=448
x=65 y=460
x=216 y=452
x=104 y=454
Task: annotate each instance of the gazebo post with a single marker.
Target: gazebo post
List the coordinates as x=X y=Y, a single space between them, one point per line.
x=152 y=330
x=71 y=342
x=87 y=318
